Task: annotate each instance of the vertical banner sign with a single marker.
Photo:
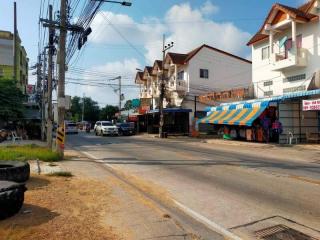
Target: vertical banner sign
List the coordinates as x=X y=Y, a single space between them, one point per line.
x=61 y=136
x=311 y=105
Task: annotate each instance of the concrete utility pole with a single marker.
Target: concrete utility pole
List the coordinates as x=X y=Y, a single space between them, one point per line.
x=162 y=87
x=120 y=94
x=62 y=63
x=43 y=102
x=49 y=87
x=82 y=118
x=15 y=42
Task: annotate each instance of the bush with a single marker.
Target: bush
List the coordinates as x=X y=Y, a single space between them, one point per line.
x=28 y=152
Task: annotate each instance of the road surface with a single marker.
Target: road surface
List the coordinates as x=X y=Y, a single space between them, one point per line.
x=239 y=189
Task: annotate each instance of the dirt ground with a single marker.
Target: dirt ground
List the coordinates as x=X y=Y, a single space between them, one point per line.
x=61 y=208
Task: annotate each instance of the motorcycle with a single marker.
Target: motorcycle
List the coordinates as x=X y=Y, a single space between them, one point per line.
x=88 y=128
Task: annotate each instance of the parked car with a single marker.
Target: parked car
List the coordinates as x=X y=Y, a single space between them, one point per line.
x=71 y=128
x=105 y=128
x=126 y=129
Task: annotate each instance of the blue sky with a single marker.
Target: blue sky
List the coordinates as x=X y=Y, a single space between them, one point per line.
x=224 y=24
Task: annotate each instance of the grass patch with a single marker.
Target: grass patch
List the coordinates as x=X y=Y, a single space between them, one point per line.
x=60 y=174
x=28 y=152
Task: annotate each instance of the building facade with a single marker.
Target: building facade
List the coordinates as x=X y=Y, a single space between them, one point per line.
x=187 y=76
x=285 y=51
x=7 y=60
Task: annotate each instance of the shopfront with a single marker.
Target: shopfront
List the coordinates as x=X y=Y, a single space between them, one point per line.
x=176 y=121
x=251 y=121
x=273 y=119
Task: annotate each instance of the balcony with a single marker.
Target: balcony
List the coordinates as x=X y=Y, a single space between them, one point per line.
x=144 y=94
x=177 y=85
x=290 y=59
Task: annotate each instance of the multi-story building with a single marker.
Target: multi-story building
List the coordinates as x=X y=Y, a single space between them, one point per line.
x=285 y=50
x=203 y=70
x=7 y=60
x=285 y=76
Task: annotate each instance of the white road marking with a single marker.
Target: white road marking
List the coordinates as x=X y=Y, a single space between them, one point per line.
x=96 y=159
x=212 y=225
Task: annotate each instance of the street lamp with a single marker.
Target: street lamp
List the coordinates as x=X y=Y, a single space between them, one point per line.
x=123 y=3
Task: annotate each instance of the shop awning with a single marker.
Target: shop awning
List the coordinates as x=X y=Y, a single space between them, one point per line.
x=242 y=114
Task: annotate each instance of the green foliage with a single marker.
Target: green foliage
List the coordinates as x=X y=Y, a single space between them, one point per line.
x=108 y=112
x=128 y=105
x=28 y=152
x=11 y=99
x=91 y=109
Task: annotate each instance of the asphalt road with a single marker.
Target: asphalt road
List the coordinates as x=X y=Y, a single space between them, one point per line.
x=242 y=189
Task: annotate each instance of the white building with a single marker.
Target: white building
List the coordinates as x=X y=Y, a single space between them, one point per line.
x=204 y=69
x=285 y=51
x=286 y=62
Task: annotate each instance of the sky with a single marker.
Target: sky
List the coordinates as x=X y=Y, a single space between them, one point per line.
x=126 y=38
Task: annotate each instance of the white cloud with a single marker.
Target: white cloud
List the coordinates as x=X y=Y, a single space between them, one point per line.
x=208 y=8
x=187 y=27
x=107 y=95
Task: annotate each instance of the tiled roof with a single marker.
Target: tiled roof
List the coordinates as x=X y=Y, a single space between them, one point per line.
x=306 y=7
x=177 y=58
x=301 y=13
x=148 y=69
x=139 y=76
x=158 y=63
x=195 y=51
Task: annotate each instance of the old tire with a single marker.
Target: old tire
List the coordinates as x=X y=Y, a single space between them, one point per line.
x=11 y=198
x=15 y=171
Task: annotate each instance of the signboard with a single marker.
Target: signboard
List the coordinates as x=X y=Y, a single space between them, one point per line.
x=136 y=103
x=311 y=105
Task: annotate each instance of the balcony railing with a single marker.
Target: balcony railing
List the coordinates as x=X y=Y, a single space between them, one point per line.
x=295 y=57
x=177 y=85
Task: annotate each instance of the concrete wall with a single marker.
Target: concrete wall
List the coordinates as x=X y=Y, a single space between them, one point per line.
x=261 y=69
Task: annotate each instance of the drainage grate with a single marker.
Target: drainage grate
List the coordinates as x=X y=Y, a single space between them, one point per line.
x=282 y=232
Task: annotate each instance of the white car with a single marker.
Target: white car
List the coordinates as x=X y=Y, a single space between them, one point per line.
x=105 y=128
x=71 y=128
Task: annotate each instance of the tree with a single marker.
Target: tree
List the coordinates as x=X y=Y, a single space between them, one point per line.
x=91 y=109
x=11 y=100
x=108 y=112
x=128 y=105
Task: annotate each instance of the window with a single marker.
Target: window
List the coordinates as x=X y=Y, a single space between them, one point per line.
x=204 y=73
x=268 y=93
x=106 y=124
x=265 y=53
x=294 y=89
x=267 y=83
x=181 y=75
x=295 y=78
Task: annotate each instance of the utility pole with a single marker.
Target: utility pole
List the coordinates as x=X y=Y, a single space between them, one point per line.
x=162 y=87
x=43 y=102
x=120 y=94
x=15 y=42
x=62 y=63
x=49 y=87
x=82 y=118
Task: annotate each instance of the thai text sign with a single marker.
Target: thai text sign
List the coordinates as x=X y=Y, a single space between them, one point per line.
x=309 y=105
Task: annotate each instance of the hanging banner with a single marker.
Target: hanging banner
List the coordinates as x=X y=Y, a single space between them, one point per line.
x=311 y=105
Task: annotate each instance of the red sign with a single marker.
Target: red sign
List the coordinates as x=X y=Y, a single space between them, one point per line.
x=311 y=105
x=143 y=109
x=133 y=118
